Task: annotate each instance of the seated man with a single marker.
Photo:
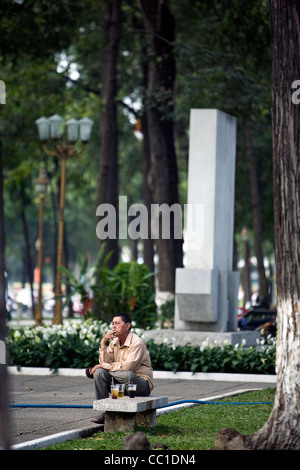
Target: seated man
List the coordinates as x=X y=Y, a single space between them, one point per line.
x=124 y=359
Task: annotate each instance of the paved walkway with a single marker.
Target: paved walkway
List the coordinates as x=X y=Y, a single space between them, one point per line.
x=31 y=423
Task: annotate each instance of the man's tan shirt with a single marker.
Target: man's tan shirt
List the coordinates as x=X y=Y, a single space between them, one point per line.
x=133 y=355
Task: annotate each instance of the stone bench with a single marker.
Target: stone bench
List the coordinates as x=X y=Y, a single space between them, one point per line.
x=123 y=414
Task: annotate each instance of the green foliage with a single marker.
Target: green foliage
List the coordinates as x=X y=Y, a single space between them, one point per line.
x=75 y=345
x=166 y=315
x=128 y=288
x=125 y=288
x=131 y=286
x=226 y=359
x=44 y=27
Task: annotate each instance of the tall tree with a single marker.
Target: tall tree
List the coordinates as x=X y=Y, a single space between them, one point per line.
x=282 y=432
x=4 y=428
x=163 y=175
x=108 y=169
x=255 y=192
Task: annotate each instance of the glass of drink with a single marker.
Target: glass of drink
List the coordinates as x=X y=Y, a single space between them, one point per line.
x=131 y=390
x=121 y=390
x=114 y=391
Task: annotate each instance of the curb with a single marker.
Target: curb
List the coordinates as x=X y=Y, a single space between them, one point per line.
x=218 y=376
x=57 y=438
x=157 y=374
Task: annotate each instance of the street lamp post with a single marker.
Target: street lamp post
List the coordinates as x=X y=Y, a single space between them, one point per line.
x=50 y=130
x=41 y=185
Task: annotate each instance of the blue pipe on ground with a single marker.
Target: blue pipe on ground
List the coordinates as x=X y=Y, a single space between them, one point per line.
x=203 y=402
x=29 y=405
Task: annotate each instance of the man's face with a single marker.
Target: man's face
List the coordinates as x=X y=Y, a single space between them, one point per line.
x=119 y=327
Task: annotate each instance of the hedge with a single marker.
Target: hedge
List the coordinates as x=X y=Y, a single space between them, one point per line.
x=75 y=345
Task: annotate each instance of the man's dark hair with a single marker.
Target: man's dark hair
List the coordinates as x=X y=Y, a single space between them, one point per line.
x=125 y=317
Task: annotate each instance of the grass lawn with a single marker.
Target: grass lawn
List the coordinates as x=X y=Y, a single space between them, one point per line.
x=193 y=428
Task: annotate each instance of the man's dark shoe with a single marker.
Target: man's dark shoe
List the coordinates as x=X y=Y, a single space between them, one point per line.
x=99 y=420
x=88 y=373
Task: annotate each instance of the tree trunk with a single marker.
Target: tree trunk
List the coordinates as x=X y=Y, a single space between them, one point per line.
x=264 y=296
x=107 y=191
x=147 y=196
x=163 y=177
x=108 y=170
x=148 y=245
x=28 y=257
x=282 y=431
x=4 y=415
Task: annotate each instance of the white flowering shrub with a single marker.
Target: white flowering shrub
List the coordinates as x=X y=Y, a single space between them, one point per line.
x=214 y=358
x=73 y=344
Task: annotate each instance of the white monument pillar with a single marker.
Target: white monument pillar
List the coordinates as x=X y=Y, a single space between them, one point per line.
x=207 y=288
